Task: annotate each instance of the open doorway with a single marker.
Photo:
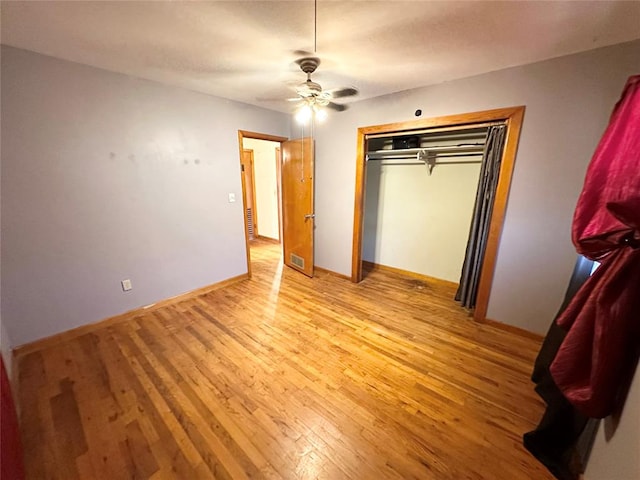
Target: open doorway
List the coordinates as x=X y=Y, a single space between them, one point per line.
x=294 y=172
x=260 y=161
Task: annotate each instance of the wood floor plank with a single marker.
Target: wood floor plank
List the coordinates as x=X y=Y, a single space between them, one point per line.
x=174 y=451
x=68 y=429
x=231 y=443
x=32 y=381
x=136 y=448
x=285 y=376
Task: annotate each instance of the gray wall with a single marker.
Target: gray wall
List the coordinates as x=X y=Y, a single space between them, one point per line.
x=617 y=445
x=107 y=177
x=568 y=102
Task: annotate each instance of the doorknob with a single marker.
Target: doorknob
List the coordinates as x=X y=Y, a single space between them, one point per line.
x=310 y=215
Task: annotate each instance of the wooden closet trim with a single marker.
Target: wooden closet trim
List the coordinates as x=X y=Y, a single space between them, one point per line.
x=512 y=117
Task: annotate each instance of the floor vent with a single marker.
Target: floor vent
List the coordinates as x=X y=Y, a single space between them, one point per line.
x=297 y=261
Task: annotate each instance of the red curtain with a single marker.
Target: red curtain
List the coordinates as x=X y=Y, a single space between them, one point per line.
x=11 y=466
x=600 y=352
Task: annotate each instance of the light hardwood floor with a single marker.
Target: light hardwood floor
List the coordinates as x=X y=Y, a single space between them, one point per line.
x=282 y=376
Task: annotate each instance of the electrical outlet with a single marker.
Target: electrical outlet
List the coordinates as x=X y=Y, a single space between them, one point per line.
x=126 y=285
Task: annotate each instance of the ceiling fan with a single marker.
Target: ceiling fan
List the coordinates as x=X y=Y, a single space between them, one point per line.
x=312 y=95
x=313 y=100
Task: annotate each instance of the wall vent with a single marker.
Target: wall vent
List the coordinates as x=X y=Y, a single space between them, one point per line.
x=297 y=260
x=250 y=222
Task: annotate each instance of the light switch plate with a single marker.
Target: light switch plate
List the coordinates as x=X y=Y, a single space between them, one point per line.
x=232 y=197
x=126 y=285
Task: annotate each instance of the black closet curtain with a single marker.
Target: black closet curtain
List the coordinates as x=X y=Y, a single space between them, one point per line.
x=563 y=439
x=479 y=232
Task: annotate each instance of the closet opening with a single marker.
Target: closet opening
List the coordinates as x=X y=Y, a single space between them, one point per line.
x=419 y=204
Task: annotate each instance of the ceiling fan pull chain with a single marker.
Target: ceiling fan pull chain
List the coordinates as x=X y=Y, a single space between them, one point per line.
x=302 y=156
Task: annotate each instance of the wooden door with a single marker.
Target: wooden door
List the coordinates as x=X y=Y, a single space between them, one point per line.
x=297 y=204
x=251 y=213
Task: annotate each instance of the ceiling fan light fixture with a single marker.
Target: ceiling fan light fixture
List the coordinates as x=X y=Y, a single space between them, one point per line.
x=304 y=113
x=311 y=110
x=321 y=100
x=320 y=113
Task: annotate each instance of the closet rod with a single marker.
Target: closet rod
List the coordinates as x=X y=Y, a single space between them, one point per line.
x=450 y=155
x=459 y=150
x=428 y=157
x=460 y=162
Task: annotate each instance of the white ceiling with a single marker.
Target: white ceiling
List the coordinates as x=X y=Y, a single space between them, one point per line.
x=245 y=50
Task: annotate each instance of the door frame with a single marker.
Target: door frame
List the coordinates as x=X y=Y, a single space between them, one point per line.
x=242 y=134
x=512 y=118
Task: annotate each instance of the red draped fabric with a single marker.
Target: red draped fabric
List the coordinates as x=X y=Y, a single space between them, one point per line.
x=11 y=467
x=603 y=319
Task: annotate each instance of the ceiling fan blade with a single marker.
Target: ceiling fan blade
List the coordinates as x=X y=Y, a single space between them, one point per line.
x=342 y=92
x=295 y=99
x=302 y=53
x=338 y=107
